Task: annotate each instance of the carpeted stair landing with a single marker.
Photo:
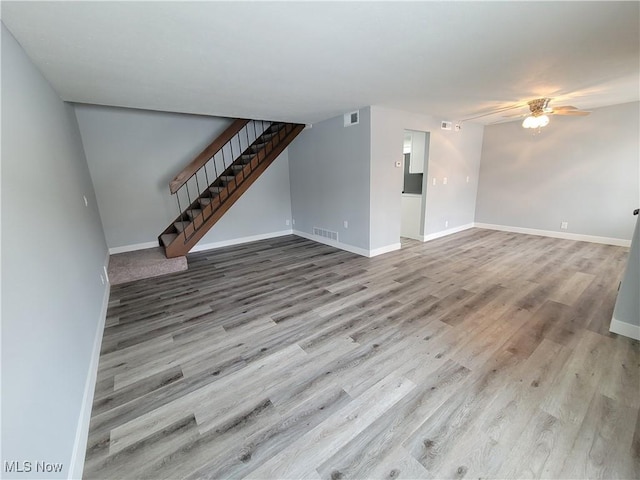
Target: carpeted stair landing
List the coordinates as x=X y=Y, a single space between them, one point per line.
x=130 y=266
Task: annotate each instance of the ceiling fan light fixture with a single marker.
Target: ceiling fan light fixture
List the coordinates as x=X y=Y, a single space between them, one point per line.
x=535 y=121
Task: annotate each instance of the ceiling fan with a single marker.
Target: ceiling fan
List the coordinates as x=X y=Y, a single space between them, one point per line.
x=540 y=111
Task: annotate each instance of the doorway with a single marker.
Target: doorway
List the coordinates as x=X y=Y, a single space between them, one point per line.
x=415 y=149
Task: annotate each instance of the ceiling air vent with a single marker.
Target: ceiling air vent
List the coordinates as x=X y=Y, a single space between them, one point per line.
x=352 y=118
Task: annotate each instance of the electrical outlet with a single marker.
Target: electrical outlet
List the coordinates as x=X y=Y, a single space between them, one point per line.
x=346 y=224
x=86 y=202
x=286 y=222
x=102 y=279
x=446 y=223
x=467 y=179
x=564 y=225
x=106 y=274
x=444 y=181
x=434 y=180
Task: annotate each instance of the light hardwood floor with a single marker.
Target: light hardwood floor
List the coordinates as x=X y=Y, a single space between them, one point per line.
x=483 y=354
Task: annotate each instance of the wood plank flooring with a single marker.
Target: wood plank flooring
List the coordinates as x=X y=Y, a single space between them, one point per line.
x=483 y=354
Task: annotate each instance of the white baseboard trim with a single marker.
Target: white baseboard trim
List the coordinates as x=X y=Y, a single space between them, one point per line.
x=201 y=247
x=133 y=248
x=624 y=328
x=237 y=241
x=444 y=233
x=389 y=248
x=349 y=248
x=76 y=465
x=342 y=246
x=620 y=242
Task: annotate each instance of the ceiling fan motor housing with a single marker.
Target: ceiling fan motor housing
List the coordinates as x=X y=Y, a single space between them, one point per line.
x=539 y=106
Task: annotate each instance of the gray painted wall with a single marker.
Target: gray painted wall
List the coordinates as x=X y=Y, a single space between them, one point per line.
x=329 y=167
x=53 y=250
x=385 y=209
x=133 y=154
x=455 y=155
x=583 y=170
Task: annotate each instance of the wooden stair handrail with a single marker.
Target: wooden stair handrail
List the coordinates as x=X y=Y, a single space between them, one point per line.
x=215 y=146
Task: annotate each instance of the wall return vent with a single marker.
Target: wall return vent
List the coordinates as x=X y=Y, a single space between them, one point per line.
x=321 y=232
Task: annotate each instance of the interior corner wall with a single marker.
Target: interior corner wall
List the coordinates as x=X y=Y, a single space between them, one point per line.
x=329 y=167
x=134 y=154
x=455 y=155
x=53 y=252
x=580 y=170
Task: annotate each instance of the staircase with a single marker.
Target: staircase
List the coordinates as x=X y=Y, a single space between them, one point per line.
x=218 y=177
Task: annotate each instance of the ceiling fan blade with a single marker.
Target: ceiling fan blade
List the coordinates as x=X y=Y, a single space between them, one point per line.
x=515 y=115
x=564 y=107
x=576 y=113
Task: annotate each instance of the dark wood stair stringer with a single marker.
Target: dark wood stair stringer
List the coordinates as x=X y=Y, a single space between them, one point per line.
x=197 y=219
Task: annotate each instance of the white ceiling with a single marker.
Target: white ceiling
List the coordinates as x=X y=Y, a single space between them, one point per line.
x=307 y=61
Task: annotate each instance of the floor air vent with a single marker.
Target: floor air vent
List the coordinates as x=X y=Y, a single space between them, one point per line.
x=321 y=232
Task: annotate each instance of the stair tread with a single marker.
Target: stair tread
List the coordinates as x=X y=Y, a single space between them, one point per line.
x=180 y=226
x=167 y=238
x=193 y=212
